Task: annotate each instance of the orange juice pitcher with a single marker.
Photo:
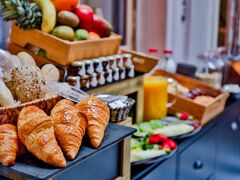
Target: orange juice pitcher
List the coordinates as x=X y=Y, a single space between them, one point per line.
x=155 y=97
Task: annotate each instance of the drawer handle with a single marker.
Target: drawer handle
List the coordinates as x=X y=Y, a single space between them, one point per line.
x=234 y=126
x=198 y=164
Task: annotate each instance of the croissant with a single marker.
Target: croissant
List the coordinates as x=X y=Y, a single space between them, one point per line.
x=69 y=126
x=36 y=132
x=8 y=144
x=98 y=114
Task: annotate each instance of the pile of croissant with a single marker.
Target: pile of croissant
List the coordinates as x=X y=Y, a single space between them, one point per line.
x=50 y=137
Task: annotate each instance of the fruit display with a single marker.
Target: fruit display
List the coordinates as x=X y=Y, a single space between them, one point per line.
x=63 y=19
x=48 y=138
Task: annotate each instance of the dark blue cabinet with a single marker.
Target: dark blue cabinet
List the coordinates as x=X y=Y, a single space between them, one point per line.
x=198 y=160
x=213 y=154
x=165 y=171
x=228 y=155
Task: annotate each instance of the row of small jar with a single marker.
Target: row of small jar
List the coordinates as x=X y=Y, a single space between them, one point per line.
x=102 y=64
x=99 y=79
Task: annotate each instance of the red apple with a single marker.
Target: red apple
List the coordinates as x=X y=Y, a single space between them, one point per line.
x=85 y=15
x=102 y=27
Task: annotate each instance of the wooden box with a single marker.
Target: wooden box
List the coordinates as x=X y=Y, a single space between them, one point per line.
x=142 y=62
x=183 y=104
x=64 y=52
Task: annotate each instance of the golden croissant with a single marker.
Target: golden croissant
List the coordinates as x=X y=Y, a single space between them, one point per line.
x=98 y=114
x=36 y=132
x=8 y=144
x=69 y=126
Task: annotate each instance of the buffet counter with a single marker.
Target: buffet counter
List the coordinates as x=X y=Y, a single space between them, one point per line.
x=212 y=153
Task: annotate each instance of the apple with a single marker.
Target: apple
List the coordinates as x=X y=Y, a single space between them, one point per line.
x=101 y=26
x=85 y=15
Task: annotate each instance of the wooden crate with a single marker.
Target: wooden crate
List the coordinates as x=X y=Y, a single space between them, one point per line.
x=142 y=62
x=62 y=51
x=183 y=104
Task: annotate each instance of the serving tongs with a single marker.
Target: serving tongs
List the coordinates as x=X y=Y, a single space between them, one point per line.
x=66 y=91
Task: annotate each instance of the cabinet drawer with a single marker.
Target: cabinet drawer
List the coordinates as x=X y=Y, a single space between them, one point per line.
x=166 y=170
x=198 y=161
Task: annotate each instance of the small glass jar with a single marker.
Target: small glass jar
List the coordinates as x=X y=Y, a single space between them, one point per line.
x=130 y=71
x=112 y=61
x=119 y=60
x=127 y=60
x=74 y=81
x=101 y=78
x=97 y=64
x=93 y=80
x=122 y=73
x=89 y=67
x=116 y=76
x=109 y=76
x=78 y=68
x=85 y=82
x=105 y=64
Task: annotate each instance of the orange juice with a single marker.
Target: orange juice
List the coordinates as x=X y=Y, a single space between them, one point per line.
x=155 y=97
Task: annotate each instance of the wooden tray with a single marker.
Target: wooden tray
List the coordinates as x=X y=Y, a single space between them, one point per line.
x=62 y=51
x=142 y=62
x=10 y=114
x=183 y=104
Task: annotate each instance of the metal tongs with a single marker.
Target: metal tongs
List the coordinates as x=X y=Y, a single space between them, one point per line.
x=67 y=91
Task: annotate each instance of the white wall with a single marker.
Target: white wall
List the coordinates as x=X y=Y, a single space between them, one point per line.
x=160 y=25
x=151 y=25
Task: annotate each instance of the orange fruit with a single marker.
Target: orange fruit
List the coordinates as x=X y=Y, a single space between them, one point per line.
x=67 y=5
x=93 y=36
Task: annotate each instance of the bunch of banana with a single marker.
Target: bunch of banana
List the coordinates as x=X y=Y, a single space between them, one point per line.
x=48 y=15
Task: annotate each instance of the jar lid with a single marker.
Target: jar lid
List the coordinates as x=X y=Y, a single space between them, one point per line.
x=127 y=55
x=72 y=78
x=77 y=63
x=118 y=56
x=111 y=58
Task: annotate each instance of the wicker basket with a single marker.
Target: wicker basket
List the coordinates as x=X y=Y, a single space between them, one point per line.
x=10 y=114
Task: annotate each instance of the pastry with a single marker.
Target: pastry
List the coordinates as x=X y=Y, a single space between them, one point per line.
x=98 y=114
x=26 y=59
x=6 y=98
x=50 y=73
x=25 y=83
x=36 y=132
x=8 y=144
x=69 y=126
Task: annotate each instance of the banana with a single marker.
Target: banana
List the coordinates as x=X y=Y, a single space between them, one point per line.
x=48 y=15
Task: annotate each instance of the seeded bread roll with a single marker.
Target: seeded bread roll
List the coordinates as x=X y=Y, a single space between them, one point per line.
x=25 y=83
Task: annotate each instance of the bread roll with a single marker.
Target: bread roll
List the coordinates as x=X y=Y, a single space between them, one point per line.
x=50 y=73
x=26 y=59
x=6 y=98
